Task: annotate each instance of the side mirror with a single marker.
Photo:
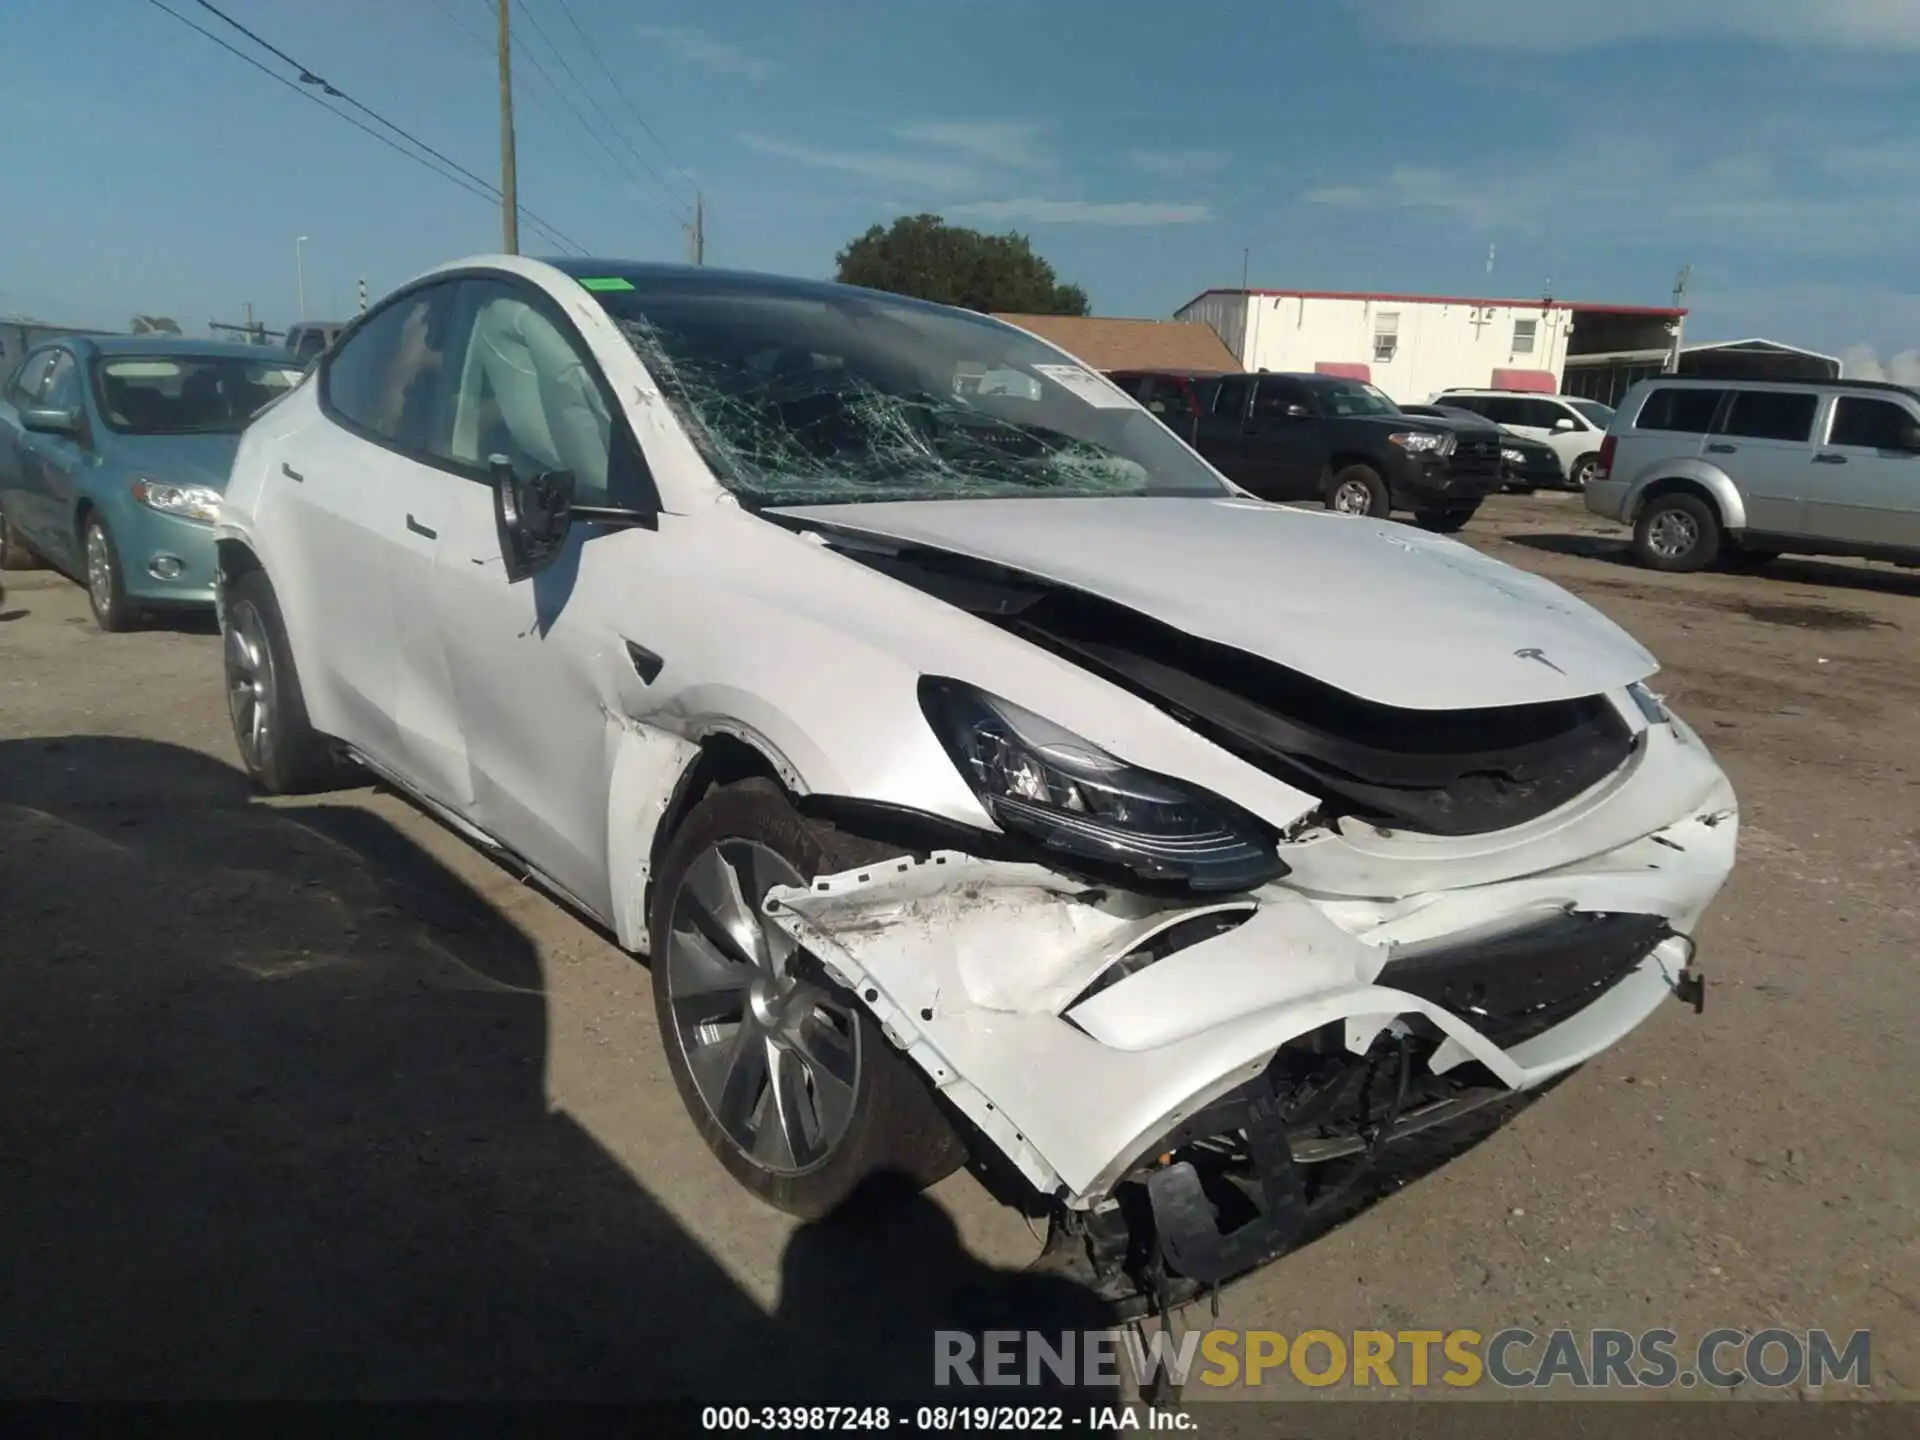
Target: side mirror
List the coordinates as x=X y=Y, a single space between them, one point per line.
x=533 y=514
x=51 y=422
x=1910 y=439
x=1565 y=422
x=1298 y=412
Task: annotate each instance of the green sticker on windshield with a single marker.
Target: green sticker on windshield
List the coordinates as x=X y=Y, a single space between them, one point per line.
x=611 y=282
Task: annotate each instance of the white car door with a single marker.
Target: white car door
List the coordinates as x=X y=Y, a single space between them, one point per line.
x=1863 y=485
x=377 y=499
x=539 y=666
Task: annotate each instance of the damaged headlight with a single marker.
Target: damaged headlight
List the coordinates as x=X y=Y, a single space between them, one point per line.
x=1050 y=785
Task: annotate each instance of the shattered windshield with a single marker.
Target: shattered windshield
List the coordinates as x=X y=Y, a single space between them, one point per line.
x=799 y=394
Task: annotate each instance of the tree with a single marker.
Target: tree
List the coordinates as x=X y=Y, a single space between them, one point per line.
x=923 y=256
x=155 y=325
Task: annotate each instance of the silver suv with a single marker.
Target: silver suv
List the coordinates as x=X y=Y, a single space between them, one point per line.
x=1705 y=467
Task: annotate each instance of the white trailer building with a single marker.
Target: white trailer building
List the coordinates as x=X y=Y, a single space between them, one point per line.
x=1412 y=345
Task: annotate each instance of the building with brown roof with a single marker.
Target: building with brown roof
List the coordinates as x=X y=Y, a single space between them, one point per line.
x=1107 y=344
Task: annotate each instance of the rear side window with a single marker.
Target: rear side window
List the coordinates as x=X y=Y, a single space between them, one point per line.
x=1506 y=410
x=1771 y=415
x=1274 y=396
x=1689 y=411
x=1545 y=413
x=1874 y=424
x=1231 y=397
x=388 y=379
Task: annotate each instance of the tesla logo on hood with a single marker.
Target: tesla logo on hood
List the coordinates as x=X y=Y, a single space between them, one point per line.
x=1541 y=656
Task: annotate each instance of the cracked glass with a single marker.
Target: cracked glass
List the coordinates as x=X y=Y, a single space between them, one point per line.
x=804 y=394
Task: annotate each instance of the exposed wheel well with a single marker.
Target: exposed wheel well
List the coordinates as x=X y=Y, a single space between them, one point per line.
x=233 y=559
x=1674 y=485
x=1341 y=462
x=723 y=759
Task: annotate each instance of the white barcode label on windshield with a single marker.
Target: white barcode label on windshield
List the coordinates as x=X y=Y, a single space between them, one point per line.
x=1088 y=386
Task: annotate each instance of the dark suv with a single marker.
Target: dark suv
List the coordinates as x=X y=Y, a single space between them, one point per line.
x=1306 y=437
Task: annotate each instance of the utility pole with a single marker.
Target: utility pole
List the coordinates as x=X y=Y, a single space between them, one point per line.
x=699 y=228
x=1679 y=321
x=1245 y=254
x=509 y=185
x=300 y=274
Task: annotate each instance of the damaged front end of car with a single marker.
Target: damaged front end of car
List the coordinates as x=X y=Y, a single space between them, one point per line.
x=1195 y=1032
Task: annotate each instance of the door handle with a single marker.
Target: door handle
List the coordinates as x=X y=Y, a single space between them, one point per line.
x=1829 y=459
x=417 y=528
x=1723 y=449
x=291 y=473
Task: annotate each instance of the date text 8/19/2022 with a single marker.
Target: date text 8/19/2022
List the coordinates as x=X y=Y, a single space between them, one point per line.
x=939 y=1419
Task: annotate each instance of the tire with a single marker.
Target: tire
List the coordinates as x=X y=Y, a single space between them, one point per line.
x=1581 y=475
x=1358 y=490
x=1677 y=532
x=1445 y=522
x=719 y=964
x=15 y=553
x=278 y=745
x=105 y=581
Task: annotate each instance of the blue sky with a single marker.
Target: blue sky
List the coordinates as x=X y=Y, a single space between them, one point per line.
x=1346 y=144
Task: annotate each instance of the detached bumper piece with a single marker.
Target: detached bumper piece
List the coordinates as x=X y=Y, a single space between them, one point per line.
x=1245 y=1179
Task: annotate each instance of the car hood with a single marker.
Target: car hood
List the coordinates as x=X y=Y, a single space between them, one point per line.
x=181 y=459
x=1391 y=614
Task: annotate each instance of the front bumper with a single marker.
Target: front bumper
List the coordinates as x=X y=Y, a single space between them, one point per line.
x=165 y=560
x=1418 y=483
x=1074 y=1032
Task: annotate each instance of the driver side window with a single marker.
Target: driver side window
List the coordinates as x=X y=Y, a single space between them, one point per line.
x=63 y=384
x=527 y=390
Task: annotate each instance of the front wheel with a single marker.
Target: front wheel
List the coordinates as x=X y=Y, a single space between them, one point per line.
x=1445 y=522
x=786 y=1075
x=1677 y=532
x=1358 y=490
x=106 y=586
x=278 y=744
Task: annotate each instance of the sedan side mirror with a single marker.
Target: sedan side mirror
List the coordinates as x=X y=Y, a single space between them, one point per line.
x=533 y=514
x=51 y=422
x=1299 y=412
x=1565 y=422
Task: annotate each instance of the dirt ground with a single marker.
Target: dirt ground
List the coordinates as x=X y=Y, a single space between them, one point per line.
x=310 y=1100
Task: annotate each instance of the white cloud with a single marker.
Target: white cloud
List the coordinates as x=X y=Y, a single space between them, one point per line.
x=1563 y=25
x=895 y=167
x=992 y=142
x=1862 y=362
x=1181 y=162
x=1083 y=212
x=696 y=47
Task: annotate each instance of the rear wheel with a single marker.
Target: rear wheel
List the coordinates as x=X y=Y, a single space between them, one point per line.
x=106 y=585
x=1584 y=469
x=1445 y=522
x=279 y=746
x=1358 y=490
x=786 y=1074
x=1677 y=532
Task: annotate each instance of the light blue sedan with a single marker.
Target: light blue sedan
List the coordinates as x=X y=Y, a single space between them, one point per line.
x=113 y=455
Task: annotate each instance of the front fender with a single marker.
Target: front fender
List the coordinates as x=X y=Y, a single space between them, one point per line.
x=1724 y=494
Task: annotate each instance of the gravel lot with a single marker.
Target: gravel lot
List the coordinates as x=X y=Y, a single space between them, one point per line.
x=309 y=1099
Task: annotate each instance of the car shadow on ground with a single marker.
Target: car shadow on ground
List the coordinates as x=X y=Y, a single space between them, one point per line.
x=1792 y=569
x=277 y=1127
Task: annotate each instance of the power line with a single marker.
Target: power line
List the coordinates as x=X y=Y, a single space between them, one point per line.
x=620 y=90
x=679 y=216
x=487 y=190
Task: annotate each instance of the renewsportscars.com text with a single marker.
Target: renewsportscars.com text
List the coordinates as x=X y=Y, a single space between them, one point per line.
x=1513 y=1358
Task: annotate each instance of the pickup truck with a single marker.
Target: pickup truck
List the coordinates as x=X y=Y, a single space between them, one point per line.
x=1324 y=437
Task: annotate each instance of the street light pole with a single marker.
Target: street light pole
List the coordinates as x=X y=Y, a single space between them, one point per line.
x=300 y=274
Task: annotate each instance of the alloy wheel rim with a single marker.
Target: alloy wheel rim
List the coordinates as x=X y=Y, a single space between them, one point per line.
x=774 y=1055
x=1583 y=473
x=249 y=666
x=1672 y=534
x=99 y=569
x=1352 y=498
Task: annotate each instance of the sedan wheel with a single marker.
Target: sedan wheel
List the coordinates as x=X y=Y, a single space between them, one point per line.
x=1584 y=469
x=106 y=591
